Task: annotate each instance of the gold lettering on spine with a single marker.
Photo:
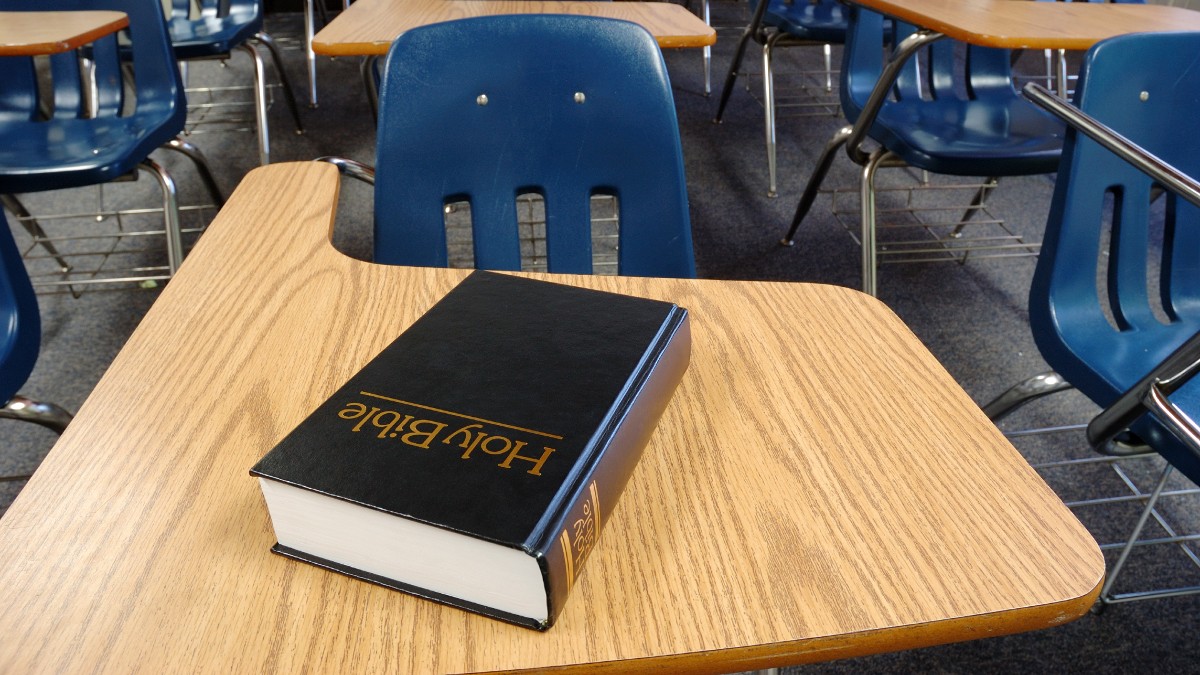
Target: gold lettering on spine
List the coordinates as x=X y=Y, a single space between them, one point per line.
x=586 y=529
x=565 y=541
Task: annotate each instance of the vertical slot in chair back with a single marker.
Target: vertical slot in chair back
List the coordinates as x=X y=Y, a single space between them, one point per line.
x=566 y=107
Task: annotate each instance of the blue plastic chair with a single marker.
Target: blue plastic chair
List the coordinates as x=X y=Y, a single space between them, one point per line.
x=1096 y=317
x=784 y=23
x=567 y=107
x=968 y=123
x=202 y=29
x=20 y=339
x=71 y=143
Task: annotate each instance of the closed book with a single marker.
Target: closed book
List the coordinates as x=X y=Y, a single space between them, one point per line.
x=476 y=459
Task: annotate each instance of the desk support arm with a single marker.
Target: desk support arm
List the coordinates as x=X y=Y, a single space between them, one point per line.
x=349 y=167
x=866 y=118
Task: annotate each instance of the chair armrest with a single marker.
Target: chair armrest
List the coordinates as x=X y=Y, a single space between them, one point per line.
x=1170 y=177
x=349 y=167
x=1150 y=394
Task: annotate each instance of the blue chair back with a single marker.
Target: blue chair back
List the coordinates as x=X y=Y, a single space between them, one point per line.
x=201 y=28
x=1108 y=304
x=20 y=323
x=483 y=110
x=65 y=146
x=816 y=20
x=946 y=119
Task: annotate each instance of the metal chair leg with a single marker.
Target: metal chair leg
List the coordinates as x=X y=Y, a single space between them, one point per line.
x=310 y=56
x=814 y=182
x=867 y=196
x=193 y=153
x=367 y=71
x=707 y=51
x=977 y=201
x=172 y=227
x=34 y=229
x=1024 y=392
x=288 y=96
x=47 y=415
x=827 y=50
x=739 y=52
x=769 y=113
x=260 y=104
x=1106 y=594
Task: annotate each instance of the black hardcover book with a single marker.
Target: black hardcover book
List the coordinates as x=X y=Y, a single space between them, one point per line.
x=475 y=460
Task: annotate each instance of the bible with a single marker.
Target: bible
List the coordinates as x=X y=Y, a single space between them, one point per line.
x=475 y=460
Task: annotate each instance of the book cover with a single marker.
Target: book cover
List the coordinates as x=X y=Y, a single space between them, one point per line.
x=475 y=460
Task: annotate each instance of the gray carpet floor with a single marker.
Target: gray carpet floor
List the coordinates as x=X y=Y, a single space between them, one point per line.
x=971 y=315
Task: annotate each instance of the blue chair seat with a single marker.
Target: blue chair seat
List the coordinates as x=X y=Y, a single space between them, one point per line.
x=1004 y=137
x=65 y=153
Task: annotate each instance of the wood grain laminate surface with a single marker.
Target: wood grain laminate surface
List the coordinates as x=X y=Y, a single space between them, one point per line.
x=37 y=33
x=818 y=487
x=1036 y=25
x=368 y=27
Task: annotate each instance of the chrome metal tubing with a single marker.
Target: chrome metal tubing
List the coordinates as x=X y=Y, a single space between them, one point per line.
x=1173 y=372
x=769 y=111
x=707 y=50
x=1021 y=393
x=289 y=97
x=260 y=103
x=349 y=167
x=172 y=227
x=48 y=415
x=1172 y=178
x=310 y=56
x=1171 y=415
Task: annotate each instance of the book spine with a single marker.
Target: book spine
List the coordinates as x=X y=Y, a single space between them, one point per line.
x=567 y=542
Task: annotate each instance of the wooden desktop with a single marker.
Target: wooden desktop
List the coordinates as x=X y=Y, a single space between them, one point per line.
x=38 y=33
x=368 y=27
x=819 y=487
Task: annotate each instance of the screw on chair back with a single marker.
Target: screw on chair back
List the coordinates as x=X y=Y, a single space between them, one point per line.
x=71 y=146
x=1108 y=303
x=483 y=110
x=966 y=121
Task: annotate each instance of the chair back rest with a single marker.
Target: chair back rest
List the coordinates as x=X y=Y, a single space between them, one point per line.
x=158 y=91
x=483 y=110
x=211 y=14
x=1117 y=284
x=20 y=323
x=985 y=72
